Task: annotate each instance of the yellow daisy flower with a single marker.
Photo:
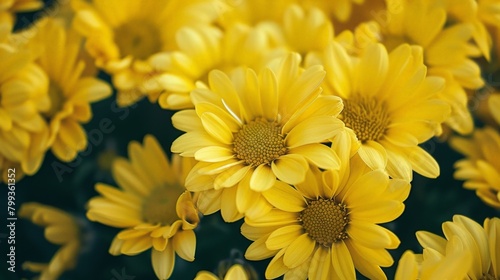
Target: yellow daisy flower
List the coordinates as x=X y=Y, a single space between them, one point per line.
x=204 y=49
x=326 y=227
x=235 y=272
x=23 y=95
x=250 y=130
x=469 y=250
x=8 y=8
x=70 y=93
x=447 y=51
x=390 y=104
x=153 y=207
x=481 y=168
x=123 y=35
x=61 y=229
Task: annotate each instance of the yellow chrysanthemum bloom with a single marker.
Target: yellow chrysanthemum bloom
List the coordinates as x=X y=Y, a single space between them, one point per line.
x=326 y=227
x=8 y=8
x=481 y=169
x=390 y=104
x=481 y=14
x=122 y=35
x=69 y=91
x=250 y=130
x=204 y=49
x=447 y=51
x=301 y=30
x=61 y=229
x=468 y=252
x=23 y=95
x=153 y=207
x=453 y=263
x=235 y=272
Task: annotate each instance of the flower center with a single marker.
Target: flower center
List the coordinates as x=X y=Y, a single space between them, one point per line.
x=366 y=116
x=159 y=206
x=325 y=221
x=259 y=142
x=138 y=38
x=56 y=97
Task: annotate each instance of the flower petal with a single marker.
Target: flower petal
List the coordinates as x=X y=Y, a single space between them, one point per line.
x=290 y=168
x=163 y=262
x=299 y=251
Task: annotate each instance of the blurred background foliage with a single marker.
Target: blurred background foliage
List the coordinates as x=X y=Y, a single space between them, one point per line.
x=69 y=186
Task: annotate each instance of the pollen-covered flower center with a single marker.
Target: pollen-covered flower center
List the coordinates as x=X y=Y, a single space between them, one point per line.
x=325 y=221
x=159 y=206
x=138 y=38
x=259 y=142
x=367 y=117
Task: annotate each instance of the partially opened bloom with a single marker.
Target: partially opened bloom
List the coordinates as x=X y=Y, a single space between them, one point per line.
x=70 y=92
x=235 y=272
x=326 y=227
x=390 y=104
x=61 y=229
x=468 y=251
x=152 y=206
x=123 y=35
x=481 y=168
x=453 y=263
x=249 y=130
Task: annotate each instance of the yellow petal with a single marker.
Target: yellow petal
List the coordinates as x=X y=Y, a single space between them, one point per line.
x=136 y=245
x=258 y=250
x=184 y=242
x=368 y=234
x=373 y=154
x=213 y=154
x=299 y=251
x=319 y=155
x=423 y=163
x=163 y=262
x=313 y=130
x=407 y=267
x=283 y=237
x=262 y=178
x=217 y=128
x=290 y=168
x=285 y=197
x=372 y=69
x=342 y=261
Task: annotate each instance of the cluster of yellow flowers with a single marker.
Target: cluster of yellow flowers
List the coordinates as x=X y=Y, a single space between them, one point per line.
x=302 y=117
